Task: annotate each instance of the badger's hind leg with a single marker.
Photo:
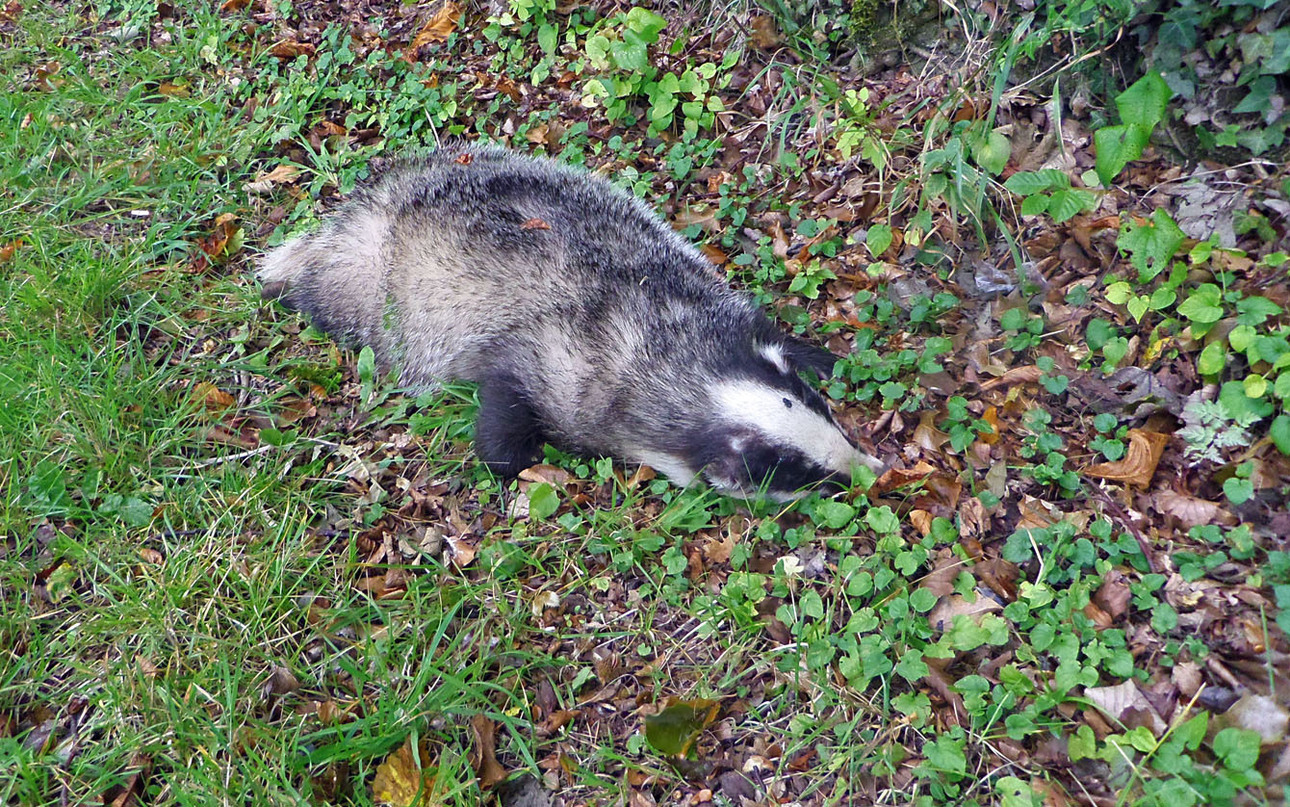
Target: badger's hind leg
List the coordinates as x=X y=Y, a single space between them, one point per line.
x=508 y=432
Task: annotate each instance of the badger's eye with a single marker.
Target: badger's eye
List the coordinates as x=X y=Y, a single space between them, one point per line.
x=787 y=403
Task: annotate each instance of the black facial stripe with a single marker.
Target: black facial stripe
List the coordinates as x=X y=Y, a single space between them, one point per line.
x=758 y=462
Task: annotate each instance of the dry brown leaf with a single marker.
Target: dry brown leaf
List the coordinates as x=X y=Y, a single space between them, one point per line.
x=265 y=181
x=922 y=521
x=281 y=681
x=7 y=251
x=1138 y=465
x=942 y=616
x=290 y=49
x=926 y=435
x=436 y=29
x=1191 y=511
x=1017 y=375
x=764 y=36
x=483 y=757
x=212 y=397
x=405 y=779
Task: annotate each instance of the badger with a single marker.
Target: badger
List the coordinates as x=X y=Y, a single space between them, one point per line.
x=584 y=319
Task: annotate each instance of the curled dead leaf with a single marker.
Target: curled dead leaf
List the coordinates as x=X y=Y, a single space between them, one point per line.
x=483 y=757
x=212 y=397
x=436 y=29
x=1139 y=463
x=265 y=181
x=290 y=49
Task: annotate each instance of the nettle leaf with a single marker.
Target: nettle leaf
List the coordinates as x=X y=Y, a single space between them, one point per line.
x=1071 y=202
x=1027 y=183
x=1256 y=310
x=1144 y=103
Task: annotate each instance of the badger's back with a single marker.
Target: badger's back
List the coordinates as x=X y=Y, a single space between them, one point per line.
x=476 y=260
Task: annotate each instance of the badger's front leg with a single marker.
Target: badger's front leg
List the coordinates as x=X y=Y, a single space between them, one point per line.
x=508 y=432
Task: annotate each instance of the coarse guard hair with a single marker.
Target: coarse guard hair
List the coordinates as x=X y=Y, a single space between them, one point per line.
x=586 y=321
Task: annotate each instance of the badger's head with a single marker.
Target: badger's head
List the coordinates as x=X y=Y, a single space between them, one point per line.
x=770 y=433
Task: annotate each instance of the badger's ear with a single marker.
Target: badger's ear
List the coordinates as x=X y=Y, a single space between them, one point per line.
x=804 y=356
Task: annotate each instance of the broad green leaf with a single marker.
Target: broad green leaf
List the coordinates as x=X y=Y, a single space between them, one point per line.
x=1026 y=183
x=991 y=152
x=1035 y=205
x=1152 y=245
x=645 y=23
x=1280 y=433
x=547 y=37
x=1212 y=359
x=878 y=239
x=1241 y=337
x=1144 y=103
x=675 y=728
x=1116 y=146
x=1255 y=385
x=1119 y=293
x=1202 y=305
x=835 y=515
x=1070 y=202
x=1137 y=307
x=543 y=501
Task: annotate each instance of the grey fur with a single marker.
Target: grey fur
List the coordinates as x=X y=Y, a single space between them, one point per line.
x=587 y=321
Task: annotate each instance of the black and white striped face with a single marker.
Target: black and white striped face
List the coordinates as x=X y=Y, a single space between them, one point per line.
x=771 y=434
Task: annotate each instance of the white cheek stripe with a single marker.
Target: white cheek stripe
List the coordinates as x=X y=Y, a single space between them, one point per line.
x=762 y=408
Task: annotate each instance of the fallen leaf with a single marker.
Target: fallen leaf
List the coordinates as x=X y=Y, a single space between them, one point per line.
x=7 y=251
x=483 y=757
x=212 y=397
x=264 y=182
x=1124 y=702
x=1191 y=511
x=675 y=727
x=1138 y=465
x=436 y=29
x=405 y=779
x=290 y=49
